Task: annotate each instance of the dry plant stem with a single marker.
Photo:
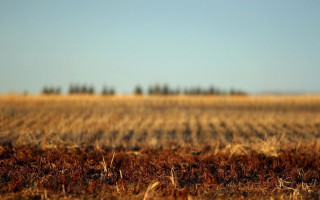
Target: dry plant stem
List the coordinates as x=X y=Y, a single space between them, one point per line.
x=104 y=165
x=150 y=187
x=172 y=178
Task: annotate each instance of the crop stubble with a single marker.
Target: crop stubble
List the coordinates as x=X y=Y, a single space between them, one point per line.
x=178 y=147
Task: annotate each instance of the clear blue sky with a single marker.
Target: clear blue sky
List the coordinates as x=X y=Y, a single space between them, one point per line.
x=253 y=45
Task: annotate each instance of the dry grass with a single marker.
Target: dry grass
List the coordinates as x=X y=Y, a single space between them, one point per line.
x=163 y=147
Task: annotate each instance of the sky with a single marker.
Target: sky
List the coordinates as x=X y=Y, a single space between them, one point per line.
x=258 y=46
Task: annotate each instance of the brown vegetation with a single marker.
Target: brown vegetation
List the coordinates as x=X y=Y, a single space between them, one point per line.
x=162 y=147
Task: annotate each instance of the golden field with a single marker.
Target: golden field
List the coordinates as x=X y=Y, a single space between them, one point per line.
x=200 y=136
x=130 y=122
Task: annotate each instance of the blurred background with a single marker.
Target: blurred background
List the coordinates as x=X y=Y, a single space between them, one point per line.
x=256 y=46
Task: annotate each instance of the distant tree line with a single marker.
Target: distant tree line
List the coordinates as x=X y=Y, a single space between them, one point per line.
x=78 y=89
x=166 y=90
x=163 y=90
x=237 y=92
x=108 y=91
x=51 y=90
x=156 y=89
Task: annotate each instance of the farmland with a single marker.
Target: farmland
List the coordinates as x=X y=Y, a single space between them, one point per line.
x=144 y=147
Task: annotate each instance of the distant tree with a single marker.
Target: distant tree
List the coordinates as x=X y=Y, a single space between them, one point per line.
x=165 y=90
x=91 y=90
x=58 y=90
x=198 y=91
x=77 y=89
x=138 y=90
x=150 y=90
x=157 y=89
x=84 y=89
x=105 y=91
x=51 y=90
x=185 y=91
x=237 y=92
x=45 y=90
x=73 y=89
x=112 y=91
x=233 y=92
x=177 y=91
x=211 y=90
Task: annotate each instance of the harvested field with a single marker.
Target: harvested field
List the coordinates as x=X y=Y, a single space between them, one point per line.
x=160 y=147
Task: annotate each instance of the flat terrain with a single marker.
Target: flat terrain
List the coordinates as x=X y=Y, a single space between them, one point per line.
x=124 y=147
